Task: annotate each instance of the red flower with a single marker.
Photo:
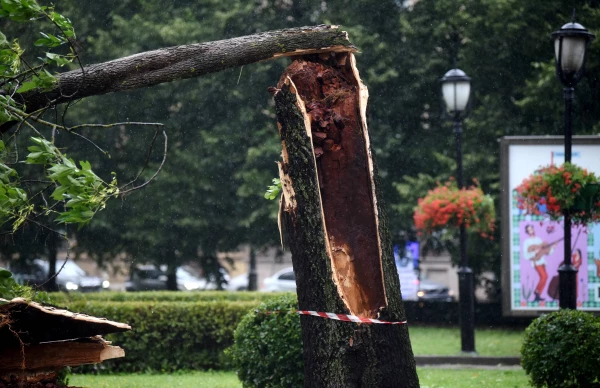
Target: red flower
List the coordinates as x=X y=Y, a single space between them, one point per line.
x=558 y=188
x=446 y=206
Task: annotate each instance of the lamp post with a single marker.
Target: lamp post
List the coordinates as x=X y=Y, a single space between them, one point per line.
x=456 y=88
x=252 y=274
x=570 y=44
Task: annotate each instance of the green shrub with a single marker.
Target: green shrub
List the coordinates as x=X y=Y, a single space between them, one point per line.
x=9 y=289
x=65 y=299
x=168 y=336
x=562 y=349
x=268 y=347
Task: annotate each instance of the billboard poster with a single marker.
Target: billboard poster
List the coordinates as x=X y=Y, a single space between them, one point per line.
x=533 y=247
x=407 y=263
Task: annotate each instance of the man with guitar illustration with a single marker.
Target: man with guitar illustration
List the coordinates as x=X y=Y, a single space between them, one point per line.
x=536 y=250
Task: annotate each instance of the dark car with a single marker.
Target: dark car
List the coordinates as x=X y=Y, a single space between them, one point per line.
x=432 y=291
x=146 y=278
x=71 y=277
x=150 y=278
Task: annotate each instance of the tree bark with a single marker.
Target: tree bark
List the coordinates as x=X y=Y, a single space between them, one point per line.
x=337 y=229
x=187 y=61
x=172 y=277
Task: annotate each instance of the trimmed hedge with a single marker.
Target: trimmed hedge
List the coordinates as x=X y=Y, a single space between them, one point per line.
x=168 y=336
x=424 y=312
x=65 y=299
x=191 y=330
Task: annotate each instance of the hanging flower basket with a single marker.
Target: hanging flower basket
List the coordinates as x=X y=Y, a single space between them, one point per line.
x=551 y=190
x=447 y=206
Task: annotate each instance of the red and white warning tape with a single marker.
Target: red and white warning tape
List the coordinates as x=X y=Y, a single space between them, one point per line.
x=348 y=318
x=342 y=317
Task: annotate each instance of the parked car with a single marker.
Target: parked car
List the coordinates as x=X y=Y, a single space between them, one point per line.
x=238 y=283
x=146 y=278
x=186 y=281
x=150 y=278
x=71 y=277
x=432 y=291
x=413 y=289
x=283 y=280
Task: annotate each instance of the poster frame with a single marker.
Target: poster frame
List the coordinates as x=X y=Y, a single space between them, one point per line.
x=505 y=214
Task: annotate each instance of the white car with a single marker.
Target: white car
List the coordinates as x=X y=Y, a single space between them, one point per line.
x=238 y=283
x=186 y=281
x=283 y=280
x=72 y=277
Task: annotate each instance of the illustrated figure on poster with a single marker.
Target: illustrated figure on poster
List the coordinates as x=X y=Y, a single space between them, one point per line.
x=535 y=250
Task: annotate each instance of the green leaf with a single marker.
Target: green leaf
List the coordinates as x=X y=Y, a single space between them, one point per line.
x=5 y=274
x=274 y=190
x=27 y=86
x=50 y=40
x=60 y=60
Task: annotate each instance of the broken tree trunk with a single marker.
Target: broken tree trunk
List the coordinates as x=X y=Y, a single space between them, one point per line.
x=187 y=61
x=340 y=244
x=37 y=342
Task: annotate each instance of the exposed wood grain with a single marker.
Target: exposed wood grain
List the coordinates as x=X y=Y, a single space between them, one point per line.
x=57 y=355
x=36 y=323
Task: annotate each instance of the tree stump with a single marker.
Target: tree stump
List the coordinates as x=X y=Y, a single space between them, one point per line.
x=340 y=243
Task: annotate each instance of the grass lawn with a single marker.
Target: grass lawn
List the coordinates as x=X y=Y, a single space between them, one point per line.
x=471 y=378
x=446 y=341
x=177 y=380
x=429 y=378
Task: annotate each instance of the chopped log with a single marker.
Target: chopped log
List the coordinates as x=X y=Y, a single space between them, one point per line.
x=36 y=323
x=37 y=341
x=56 y=355
x=340 y=243
x=187 y=61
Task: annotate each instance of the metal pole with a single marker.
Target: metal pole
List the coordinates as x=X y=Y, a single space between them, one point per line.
x=465 y=274
x=252 y=275
x=567 y=272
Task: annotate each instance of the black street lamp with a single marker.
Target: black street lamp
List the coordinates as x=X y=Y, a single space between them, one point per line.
x=252 y=273
x=570 y=44
x=456 y=88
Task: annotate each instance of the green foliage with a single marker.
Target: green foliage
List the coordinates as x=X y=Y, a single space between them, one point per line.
x=12 y=73
x=562 y=349
x=83 y=191
x=13 y=199
x=274 y=190
x=66 y=299
x=9 y=289
x=168 y=336
x=268 y=346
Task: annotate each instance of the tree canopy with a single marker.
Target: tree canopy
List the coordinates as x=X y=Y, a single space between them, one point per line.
x=222 y=136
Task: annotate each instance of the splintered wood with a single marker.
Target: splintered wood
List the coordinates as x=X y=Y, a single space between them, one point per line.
x=37 y=341
x=332 y=99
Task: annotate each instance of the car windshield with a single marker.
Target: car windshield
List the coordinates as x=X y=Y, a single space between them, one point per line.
x=287 y=276
x=70 y=269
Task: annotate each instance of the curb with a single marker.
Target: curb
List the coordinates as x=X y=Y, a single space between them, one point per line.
x=467 y=360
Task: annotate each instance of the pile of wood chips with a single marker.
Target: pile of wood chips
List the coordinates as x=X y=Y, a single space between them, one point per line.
x=38 y=341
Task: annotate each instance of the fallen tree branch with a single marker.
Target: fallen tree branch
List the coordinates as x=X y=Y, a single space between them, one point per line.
x=187 y=61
